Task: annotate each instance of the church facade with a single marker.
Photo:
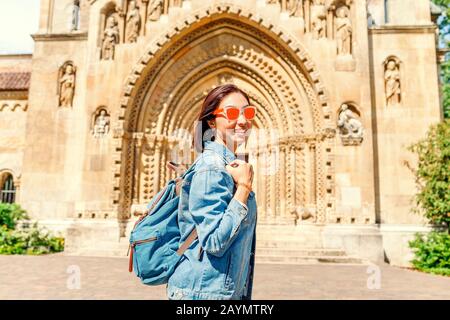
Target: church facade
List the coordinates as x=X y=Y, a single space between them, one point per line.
x=113 y=88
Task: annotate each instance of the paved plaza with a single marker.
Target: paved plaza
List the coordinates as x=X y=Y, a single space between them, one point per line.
x=60 y=276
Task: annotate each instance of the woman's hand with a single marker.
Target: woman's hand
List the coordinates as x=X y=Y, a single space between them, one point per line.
x=241 y=171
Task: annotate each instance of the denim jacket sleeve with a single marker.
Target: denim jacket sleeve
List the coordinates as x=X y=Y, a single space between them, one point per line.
x=216 y=213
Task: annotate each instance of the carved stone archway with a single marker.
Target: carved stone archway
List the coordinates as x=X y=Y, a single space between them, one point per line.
x=164 y=92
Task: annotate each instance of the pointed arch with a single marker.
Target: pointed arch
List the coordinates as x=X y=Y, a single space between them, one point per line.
x=164 y=91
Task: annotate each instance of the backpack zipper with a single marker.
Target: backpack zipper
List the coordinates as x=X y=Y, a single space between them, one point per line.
x=131 y=248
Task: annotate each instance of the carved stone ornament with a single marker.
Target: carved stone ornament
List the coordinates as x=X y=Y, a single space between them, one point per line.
x=319 y=19
x=344 y=31
x=66 y=84
x=101 y=124
x=133 y=22
x=392 y=82
x=155 y=9
x=350 y=127
x=295 y=8
x=110 y=38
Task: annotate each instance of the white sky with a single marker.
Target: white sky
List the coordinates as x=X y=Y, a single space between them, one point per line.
x=18 y=20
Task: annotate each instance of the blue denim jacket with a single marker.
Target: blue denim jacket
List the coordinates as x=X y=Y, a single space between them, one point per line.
x=219 y=264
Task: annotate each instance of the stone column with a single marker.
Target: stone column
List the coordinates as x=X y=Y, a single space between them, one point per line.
x=262 y=186
x=312 y=154
x=171 y=143
x=330 y=23
x=158 y=148
x=307 y=16
x=16 y=182
x=253 y=156
x=293 y=190
x=273 y=183
x=282 y=215
x=162 y=164
x=136 y=170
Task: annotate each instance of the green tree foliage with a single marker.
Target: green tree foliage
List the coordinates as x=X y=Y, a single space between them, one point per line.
x=444 y=31
x=433 y=173
x=445 y=74
x=432 y=252
x=444 y=21
x=26 y=240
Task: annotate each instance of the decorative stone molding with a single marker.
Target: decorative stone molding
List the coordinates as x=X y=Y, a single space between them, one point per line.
x=387 y=29
x=13 y=105
x=73 y=36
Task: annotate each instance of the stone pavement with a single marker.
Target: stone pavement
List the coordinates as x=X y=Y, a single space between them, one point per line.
x=54 y=277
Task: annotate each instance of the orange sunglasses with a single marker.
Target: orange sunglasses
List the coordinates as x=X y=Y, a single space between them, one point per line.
x=232 y=113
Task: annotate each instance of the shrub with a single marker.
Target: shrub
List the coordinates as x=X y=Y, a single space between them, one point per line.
x=10 y=214
x=433 y=174
x=432 y=252
x=28 y=240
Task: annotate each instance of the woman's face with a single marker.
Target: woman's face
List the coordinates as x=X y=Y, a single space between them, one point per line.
x=232 y=131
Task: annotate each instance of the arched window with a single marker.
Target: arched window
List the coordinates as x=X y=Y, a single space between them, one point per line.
x=7 y=190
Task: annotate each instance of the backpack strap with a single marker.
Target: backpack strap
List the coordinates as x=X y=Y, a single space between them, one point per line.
x=188 y=242
x=193 y=235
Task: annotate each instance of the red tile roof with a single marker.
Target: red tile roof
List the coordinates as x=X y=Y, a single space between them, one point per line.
x=14 y=81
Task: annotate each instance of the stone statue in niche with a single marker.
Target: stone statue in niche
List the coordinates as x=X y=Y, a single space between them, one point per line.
x=319 y=19
x=392 y=82
x=295 y=8
x=350 y=127
x=66 y=87
x=344 y=31
x=155 y=9
x=101 y=126
x=133 y=24
x=75 y=15
x=110 y=38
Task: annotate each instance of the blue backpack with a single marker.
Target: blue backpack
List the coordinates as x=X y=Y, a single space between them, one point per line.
x=155 y=238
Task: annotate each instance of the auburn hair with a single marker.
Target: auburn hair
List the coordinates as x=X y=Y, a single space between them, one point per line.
x=211 y=102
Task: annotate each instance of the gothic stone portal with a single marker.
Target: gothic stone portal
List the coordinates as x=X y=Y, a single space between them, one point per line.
x=288 y=146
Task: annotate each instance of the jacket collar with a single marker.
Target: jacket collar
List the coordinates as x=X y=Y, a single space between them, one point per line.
x=220 y=149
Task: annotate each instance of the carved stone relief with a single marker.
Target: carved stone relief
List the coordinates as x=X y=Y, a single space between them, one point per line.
x=101 y=124
x=319 y=19
x=110 y=38
x=66 y=84
x=133 y=22
x=392 y=82
x=295 y=8
x=344 y=31
x=155 y=9
x=350 y=126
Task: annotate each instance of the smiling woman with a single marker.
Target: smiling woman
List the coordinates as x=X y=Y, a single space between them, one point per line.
x=22 y=16
x=219 y=204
